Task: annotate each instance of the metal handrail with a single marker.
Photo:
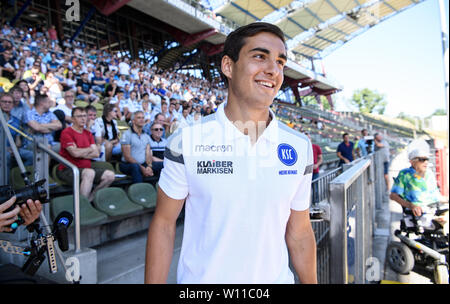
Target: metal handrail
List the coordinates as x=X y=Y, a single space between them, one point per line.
x=353 y=180
x=76 y=190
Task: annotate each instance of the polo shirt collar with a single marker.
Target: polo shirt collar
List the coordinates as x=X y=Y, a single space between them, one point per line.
x=270 y=133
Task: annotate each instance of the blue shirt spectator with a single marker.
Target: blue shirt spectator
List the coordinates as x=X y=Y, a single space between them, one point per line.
x=345 y=150
x=43 y=122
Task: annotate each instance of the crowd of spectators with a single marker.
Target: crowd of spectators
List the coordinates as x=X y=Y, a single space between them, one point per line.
x=48 y=78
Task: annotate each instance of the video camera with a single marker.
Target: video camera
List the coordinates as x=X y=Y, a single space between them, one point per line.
x=42 y=243
x=369 y=143
x=34 y=191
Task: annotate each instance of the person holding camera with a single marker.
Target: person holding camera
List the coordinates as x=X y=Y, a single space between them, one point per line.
x=29 y=212
x=365 y=145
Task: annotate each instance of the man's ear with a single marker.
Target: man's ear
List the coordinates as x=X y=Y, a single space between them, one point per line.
x=227 y=66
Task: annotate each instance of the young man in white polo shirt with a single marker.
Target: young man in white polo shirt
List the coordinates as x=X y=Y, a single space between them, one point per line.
x=246 y=179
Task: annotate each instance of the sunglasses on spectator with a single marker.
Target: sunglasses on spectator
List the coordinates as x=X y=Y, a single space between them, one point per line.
x=157 y=129
x=7 y=101
x=80 y=116
x=422 y=159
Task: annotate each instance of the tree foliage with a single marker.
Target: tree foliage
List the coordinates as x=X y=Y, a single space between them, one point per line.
x=311 y=100
x=368 y=101
x=439 y=112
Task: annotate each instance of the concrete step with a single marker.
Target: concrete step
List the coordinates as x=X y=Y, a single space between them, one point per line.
x=123 y=261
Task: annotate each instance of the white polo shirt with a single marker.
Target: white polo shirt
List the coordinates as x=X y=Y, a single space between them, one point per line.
x=238 y=198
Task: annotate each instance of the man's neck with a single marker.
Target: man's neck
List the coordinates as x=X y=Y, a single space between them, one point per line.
x=420 y=172
x=155 y=138
x=78 y=128
x=40 y=110
x=249 y=121
x=137 y=129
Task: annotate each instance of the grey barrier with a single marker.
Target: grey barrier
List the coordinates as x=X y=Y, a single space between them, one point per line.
x=353 y=197
x=344 y=237
x=321 y=228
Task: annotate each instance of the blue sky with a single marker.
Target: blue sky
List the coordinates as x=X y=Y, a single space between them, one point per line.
x=400 y=57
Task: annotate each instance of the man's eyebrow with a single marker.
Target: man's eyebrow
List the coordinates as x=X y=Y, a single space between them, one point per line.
x=266 y=51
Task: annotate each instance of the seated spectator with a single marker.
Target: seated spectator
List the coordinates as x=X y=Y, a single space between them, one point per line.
x=136 y=151
x=185 y=118
x=197 y=117
x=146 y=108
x=27 y=99
x=54 y=88
x=42 y=122
x=91 y=117
x=107 y=133
x=7 y=65
x=53 y=64
x=98 y=82
x=158 y=146
x=7 y=104
x=110 y=88
x=122 y=82
x=20 y=107
x=78 y=146
x=35 y=79
x=131 y=105
x=70 y=81
x=173 y=114
x=119 y=102
x=66 y=106
x=159 y=118
x=85 y=91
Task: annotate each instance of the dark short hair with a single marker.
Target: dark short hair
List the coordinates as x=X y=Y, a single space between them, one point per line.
x=78 y=109
x=156 y=116
x=236 y=39
x=90 y=108
x=39 y=99
x=16 y=88
x=343 y=135
x=6 y=94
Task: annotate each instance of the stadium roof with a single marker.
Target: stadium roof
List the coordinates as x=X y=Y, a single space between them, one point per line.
x=314 y=28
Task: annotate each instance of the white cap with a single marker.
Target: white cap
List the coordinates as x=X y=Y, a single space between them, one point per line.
x=418 y=153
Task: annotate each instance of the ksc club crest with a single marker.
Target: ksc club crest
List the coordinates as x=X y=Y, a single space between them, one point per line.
x=287 y=154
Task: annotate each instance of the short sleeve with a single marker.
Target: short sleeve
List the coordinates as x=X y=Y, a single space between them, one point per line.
x=66 y=139
x=302 y=197
x=399 y=187
x=173 y=179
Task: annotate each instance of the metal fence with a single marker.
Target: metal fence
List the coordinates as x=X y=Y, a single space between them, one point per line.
x=344 y=238
x=321 y=228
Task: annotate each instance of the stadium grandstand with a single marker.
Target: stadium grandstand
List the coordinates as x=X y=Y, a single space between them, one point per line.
x=163 y=57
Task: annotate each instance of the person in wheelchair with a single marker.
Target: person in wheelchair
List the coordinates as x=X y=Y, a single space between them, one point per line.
x=415 y=189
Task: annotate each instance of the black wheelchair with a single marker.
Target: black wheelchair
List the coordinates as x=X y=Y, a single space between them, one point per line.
x=423 y=240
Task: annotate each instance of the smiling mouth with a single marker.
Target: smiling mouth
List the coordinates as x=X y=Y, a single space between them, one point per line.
x=266 y=84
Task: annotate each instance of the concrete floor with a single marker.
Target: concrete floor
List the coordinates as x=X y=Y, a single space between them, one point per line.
x=123 y=261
